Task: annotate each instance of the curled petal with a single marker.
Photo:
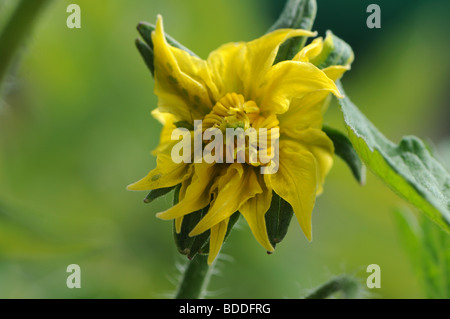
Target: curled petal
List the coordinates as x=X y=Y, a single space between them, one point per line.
x=179 y=79
x=310 y=51
x=260 y=55
x=235 y=187
x=254 y=211
x=216 y=238
x=166 y=174
x=197 y=193
x=290 y=80
x=297 y=181
x=304 y=113
x=320 y=145
x=335 y=72
x=222 y=63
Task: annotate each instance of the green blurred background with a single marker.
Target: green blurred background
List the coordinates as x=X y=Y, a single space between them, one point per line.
x=75 y=129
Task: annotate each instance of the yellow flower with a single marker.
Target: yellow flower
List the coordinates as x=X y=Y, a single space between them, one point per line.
x=238 y=85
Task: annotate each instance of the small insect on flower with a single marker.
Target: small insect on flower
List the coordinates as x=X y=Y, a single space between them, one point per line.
x=239 y=86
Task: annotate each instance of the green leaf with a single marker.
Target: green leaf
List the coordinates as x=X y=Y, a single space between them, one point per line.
x=335 y=52
x=297 y=14
x=408 y=168
x=344 y=149
x=156 y=193
x=428 y=247
x=278 y=218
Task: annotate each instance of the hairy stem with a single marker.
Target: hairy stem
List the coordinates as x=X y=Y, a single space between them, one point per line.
x=348 y=285
x=195 y=278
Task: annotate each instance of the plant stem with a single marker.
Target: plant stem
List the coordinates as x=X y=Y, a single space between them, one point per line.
x=348 y=285
x=195 y=278
x=16 y=29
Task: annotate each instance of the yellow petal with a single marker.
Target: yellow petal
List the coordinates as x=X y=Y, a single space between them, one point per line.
x=216 y=238
x=197 y=194
x=296 y=181
x=222 y=63
x=304 y=113
x=235 y=187
x=179 y=82
x=178 y=223
x=260 y=55
x=320 y=145
x=166 y=174
x=254 y=211
x=308 y=111
x=290 y=79
x=163 y=118
x=335 y=72
x=165 y=139
x=310 y=51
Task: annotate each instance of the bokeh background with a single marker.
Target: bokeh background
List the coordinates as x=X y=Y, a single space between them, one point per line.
x=75 y=129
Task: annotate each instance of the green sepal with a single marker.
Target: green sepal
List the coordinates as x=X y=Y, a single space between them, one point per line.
x=184 y=124
x=182 y=239
x=186 y=244
x=335 y=52
x=344 y=149
x=176 y=195
x=297 y=14
x=408 y=168
x=278 y=218
x=147 y=54
x=156 y=193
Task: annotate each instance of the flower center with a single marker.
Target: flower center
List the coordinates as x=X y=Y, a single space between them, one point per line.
x=232 y=111
x=259 y=132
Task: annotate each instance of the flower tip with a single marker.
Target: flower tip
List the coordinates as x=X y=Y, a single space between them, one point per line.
x=193 y=233
x=130 y=187
x=160 y=215
x=140 y=25
x=159 y=19
x=338 y=94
